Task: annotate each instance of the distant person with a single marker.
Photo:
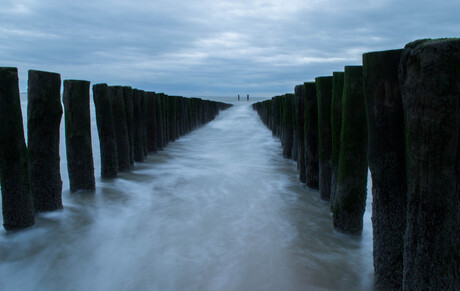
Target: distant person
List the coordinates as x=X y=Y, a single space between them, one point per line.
x=247 y=97
x=238 y=97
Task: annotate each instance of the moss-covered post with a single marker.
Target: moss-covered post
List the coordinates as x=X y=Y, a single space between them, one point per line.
x=79 y=149
x=44 y=113
x=129 y=106
x=137 y=123
x=17 y=207
x=120 y=127
x=300 y=108
x=350 y=202
x=387 y=163
x=106 y=131
x=311 y=135
x=336 y=126
x=429 y=76
x=324 y=95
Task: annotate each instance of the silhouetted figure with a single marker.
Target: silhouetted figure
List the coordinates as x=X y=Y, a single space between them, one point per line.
x=247 y=97
x=238 y=97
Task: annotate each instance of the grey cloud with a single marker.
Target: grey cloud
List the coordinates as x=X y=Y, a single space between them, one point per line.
x=210 y=47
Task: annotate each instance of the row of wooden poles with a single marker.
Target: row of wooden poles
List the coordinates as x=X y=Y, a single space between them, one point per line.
x=131 y=123
x=399 y=115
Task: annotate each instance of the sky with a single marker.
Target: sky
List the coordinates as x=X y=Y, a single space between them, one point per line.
x=210 y=47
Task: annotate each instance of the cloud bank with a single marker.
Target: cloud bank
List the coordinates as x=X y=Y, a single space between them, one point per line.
x=210 y=48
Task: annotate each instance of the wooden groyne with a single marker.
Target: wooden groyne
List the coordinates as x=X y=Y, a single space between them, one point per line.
x=131 y=123
x=400 y=114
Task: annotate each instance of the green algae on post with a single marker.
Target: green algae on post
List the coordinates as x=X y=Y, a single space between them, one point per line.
x=350 y=202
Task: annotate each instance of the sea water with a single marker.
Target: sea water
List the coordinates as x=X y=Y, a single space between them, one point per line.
x=218 y=209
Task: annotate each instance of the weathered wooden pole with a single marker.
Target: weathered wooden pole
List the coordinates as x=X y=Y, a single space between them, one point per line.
x=78 y=135
x=165 y=112
x=300 y=109
x=44 y=112
x=387 y=163
x=159 y=127
x=150 y=122
x=129 y=107
x=120 y=127
x=17 y=206
x=311 y=135
x=350 y=202
x=137 y=123
x=336 y=126
x=278 y=112
x=324 y=95
x=144 y=115
x=287 y=136
x=106 y=131
x=295 y=142
x=429 y=76
x=172 y=117
x=185 y=112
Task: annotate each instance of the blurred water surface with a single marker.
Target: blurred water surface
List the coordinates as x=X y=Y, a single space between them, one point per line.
x=219 y=209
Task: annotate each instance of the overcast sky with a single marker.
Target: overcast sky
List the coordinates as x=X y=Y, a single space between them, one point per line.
x=210 y=47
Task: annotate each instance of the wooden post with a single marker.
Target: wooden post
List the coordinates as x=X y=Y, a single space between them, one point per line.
x=350 y=202
x=429 y=76
x=300 y=109
x=387 y=163
x=17 y=207
x=44 y=113
x=120 y=127
x=324 y=94
x=137 y=120
x=129 y=106
x=79 y=150
x=311 y=135
x=336 y=127
x=106 y=131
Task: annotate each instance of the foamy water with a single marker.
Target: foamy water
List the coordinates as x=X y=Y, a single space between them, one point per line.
x=219 y=209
